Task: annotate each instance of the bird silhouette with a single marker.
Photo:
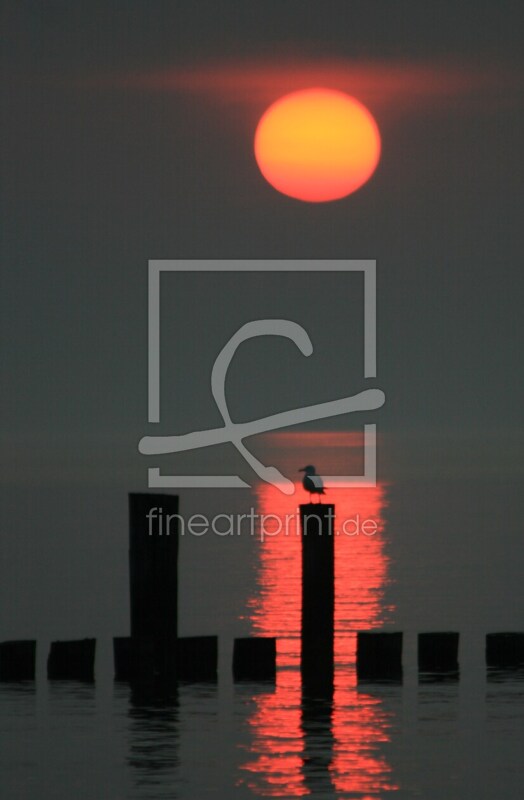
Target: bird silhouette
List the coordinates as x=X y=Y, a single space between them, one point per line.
x=312 y=482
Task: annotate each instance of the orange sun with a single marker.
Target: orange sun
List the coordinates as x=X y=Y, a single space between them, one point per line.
x=317 y=145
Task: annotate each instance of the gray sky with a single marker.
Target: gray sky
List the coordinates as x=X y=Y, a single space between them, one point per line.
x=128 y=136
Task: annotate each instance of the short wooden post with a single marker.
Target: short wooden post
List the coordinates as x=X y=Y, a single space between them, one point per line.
x=505 y=650
x=72 y=660
x=17 y=660
x=318 y=597
x=254 y=659
x=197 y=658
x=438 y=653
x=379 y=656
x=153 y=572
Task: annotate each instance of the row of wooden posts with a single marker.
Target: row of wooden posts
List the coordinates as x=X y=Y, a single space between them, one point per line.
x=379 y=657
x=196 y=659
x=155 y=653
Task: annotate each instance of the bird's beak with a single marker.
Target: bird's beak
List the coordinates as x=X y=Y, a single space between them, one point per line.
x=302 y=469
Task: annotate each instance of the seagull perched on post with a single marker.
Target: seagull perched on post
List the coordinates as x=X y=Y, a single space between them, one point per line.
x=312 y=482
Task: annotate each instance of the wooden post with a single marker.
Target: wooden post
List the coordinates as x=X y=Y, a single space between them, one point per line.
x=505 y=650
x=254 y=658
x=379 y=656
x=153 y=574
x=438 y=653
x=17 y=660
x=318 y=597
x=72 y=660
x=197 y=658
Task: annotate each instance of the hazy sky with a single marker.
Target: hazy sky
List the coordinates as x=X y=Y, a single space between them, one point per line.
x=128 y=134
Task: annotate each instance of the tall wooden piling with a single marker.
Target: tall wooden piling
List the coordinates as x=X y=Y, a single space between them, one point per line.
x=318 y=597
x=153 y=576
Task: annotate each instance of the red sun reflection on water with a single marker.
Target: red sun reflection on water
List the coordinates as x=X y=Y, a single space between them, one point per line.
x=346 y=744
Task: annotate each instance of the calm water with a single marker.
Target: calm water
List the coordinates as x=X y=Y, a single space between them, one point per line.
x=441 y=559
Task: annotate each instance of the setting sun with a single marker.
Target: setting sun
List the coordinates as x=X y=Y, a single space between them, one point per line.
x=317 y=145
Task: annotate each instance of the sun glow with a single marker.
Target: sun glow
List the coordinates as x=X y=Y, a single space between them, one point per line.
x=296 y=750
x=317 y=145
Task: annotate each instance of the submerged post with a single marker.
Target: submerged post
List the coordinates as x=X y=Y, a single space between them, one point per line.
x=318 y=597
x=153 y=576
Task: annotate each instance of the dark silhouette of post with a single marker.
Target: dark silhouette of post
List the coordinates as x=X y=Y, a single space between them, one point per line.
x=318 y=597
x=197 y=658
x=505 y=650
x=255 y=658
x=17 y=660
x=438 y=654
x=72 y=660
x=379 y=656
x=153 y=575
